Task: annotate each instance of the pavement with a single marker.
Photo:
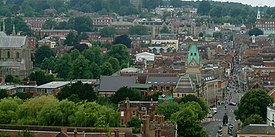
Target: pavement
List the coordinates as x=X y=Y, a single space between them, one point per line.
x=211 y=125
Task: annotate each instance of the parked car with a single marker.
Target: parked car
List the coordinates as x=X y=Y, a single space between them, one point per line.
x=232 y=104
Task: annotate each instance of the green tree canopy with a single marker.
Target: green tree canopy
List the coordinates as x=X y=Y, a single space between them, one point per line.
x=204 y=8
x=42 y=53
x=107 y=31
x=167 y=109
x=83 y=92
x=41 y=77
x=255 y=31
x=253 y=119
x=188 y=122
x=254 y=101
x=120 y=52
x=138 y=30
x=123 y=39
x=200 y=101
x=134 y=122
x=124 y=92
x=8 y=107
x=3 y=93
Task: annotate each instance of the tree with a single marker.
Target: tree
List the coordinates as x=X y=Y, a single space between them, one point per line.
x=41 y=77
x=80 y=68
x=96 y=71
x=115 y=63
x=200 y=101
x=90 y=114
x=138 y=30
x=9 y=79
x=167 y=109
x=188 y=123
x=106 y=68
x=74 y=54
x=253 y=119
x=70 y=38
x=120 y=52
x=8 y=107
x=108 y=31
x=83 y=92
x=204 y=8
x=254 y=101
x=134 y=122
x=123 y=39
x=28 y=111
x=216 y=11
x=165 y=30
x=217 y=35
x=63 y=66
x=42 y=53
x=255 y=31
x=22 y=95
x=80 y=47
x=3 y=93
x=124 y=92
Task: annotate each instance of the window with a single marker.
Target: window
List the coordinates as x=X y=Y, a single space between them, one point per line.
x=8 y=54
x=17 y=56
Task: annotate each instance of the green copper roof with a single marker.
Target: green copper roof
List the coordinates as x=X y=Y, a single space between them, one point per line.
x=193 y=54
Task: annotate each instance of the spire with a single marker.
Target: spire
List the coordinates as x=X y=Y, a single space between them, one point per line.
x=258 y=14
x=13 y=30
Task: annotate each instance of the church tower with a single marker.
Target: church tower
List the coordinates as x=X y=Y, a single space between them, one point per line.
x=258 y=14
x=193 y=60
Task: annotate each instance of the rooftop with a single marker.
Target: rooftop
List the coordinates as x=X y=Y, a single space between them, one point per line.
x=261 y=129
x=54 y=84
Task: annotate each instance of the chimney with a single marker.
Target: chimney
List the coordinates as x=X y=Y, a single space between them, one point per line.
x=116 y=133
x=239 y=125
x=146 y=126
x=153 y=32
x=75 y=132
x=64 y=130
x=127 y=103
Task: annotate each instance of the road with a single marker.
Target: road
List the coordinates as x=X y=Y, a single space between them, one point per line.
x=212 y=126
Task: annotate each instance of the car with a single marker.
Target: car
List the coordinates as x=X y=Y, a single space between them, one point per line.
x=220 y=135
x=213 y=110
x=220 y=131
x=230 y=126
x=232 y=104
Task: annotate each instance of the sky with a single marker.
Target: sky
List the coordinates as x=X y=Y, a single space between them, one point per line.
x=270 y=3
x=260 y=3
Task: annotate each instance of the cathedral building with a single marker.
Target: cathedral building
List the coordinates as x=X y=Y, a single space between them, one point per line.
x=190 y=82
x=15 y=56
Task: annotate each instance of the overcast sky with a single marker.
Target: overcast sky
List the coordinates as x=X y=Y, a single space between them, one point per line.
x=261 y=3
x=270 y=3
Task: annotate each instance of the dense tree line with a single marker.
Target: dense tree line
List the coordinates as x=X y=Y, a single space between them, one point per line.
x=48 y=111
x=90 y=63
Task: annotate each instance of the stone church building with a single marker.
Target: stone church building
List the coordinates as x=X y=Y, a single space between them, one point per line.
x=15 y=56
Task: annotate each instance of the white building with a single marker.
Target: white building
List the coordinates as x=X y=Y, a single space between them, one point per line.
x=270 y=116
x=145 y=56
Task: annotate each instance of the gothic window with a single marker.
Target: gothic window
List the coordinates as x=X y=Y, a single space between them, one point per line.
x=8 y=54
x=17 y=55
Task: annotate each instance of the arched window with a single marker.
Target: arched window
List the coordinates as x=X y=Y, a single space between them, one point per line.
x=8 y=54
x=17 y=55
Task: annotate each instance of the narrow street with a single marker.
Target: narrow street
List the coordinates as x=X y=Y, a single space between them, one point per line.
x=233 y=95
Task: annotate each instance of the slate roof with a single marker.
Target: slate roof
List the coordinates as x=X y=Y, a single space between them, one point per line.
x=113 y=83
x=12 y=41
x=184 y=85
x=257 y=129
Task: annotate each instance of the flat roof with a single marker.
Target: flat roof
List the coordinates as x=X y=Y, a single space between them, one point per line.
x=54 y=84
